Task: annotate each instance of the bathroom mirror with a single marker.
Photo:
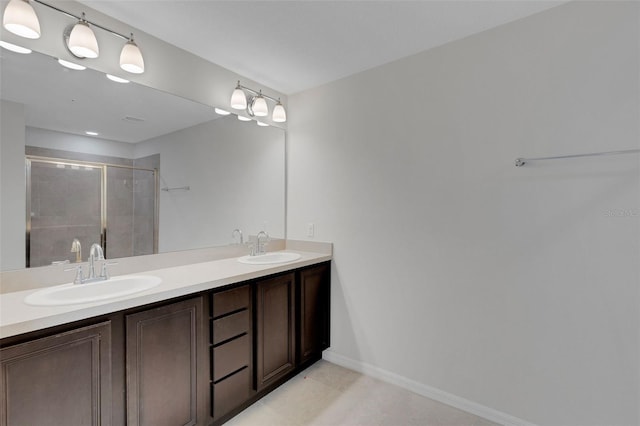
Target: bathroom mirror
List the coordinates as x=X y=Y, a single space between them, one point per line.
x=215 y=173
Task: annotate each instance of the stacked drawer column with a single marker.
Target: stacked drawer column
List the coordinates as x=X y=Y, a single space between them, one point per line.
x=231 y=346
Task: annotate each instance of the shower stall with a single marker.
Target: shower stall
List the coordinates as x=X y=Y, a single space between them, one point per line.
x=74 y=204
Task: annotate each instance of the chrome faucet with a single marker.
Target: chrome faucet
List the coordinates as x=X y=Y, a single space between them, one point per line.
x=76 y=248
x=260 y=244
x=95 y=253
x=238 y=232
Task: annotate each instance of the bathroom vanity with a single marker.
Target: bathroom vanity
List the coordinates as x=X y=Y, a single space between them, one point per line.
x=209 y=341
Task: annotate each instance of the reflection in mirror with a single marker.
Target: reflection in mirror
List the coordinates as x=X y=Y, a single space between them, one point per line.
x=218 y=173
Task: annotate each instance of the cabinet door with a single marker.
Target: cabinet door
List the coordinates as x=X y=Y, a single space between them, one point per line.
x=275 y=329
x=314 y=290
x=58 y=380
x=163 y=355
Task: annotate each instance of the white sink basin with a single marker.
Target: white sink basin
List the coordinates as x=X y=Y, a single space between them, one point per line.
x=70 y=294
x=270 y=258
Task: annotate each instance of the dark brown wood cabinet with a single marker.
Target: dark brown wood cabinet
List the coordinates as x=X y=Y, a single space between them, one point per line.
x=275 y=329
x=165 y=384
x=64 y=379
x=232 y=348
x=195 y=360
x=313 y=313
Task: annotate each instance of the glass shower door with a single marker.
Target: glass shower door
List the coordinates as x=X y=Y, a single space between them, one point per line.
x=64 y=202
x=131 y=212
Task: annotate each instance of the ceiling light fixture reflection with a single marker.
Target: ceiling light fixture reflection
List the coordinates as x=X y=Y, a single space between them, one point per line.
x=15 y=48
x=20 y=19
x=92 y=133
x=116 y=79
x=261 y=124
x=242 y=118
x=257 y=107
x=71 y=65
x=221 y=111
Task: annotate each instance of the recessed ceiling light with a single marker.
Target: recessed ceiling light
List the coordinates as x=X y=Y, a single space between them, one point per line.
x=221 y=111
x=14 y=47
x=261 y=124
x=241 y=118
x=92 y=133
x=71 y=65
x=116 y=79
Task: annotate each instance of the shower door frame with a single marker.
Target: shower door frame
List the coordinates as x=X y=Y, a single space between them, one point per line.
x=103 y=197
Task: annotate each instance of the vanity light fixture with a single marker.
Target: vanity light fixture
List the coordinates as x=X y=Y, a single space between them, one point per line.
x=15 y=48
x=71 y=65
x=238 y=98
x=116 y=79
x=261 y=124
x=243 y=118
x=131 y=59
x=256 y=105
x=20 y=19
x=221 y=111
x=82 y=41
x=279 y=113
x=259 y=106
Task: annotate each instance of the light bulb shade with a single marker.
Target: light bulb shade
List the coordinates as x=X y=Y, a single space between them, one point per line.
x=131 y=59
x=238 y=99
x=259 y=106
x=20 y=19
x=82 y=41
x=279 y=114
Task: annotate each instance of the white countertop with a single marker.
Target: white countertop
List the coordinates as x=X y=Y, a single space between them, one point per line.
x=16 y=317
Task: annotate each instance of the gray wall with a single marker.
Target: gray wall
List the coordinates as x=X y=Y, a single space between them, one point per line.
x=457 y=274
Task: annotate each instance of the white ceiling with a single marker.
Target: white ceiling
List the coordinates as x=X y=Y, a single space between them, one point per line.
x=292 y=46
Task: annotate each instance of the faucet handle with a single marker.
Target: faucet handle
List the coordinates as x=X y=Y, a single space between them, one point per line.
x=79 y=279
x=104 y=273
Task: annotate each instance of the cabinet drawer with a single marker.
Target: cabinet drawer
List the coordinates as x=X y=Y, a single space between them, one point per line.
x=230 y=326
x=231 y=392
x=230 y=300
x=231 y=357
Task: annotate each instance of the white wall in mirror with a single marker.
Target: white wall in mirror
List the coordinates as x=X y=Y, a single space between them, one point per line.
x=231 y=168
x=236 y=170
x=12 y=186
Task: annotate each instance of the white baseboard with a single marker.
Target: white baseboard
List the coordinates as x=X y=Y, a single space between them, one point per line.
x=424 y=390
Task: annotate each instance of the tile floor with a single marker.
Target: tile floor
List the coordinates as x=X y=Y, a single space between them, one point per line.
x=327 y=394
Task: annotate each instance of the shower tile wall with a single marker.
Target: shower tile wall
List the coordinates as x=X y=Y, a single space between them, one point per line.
x=66 y=205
